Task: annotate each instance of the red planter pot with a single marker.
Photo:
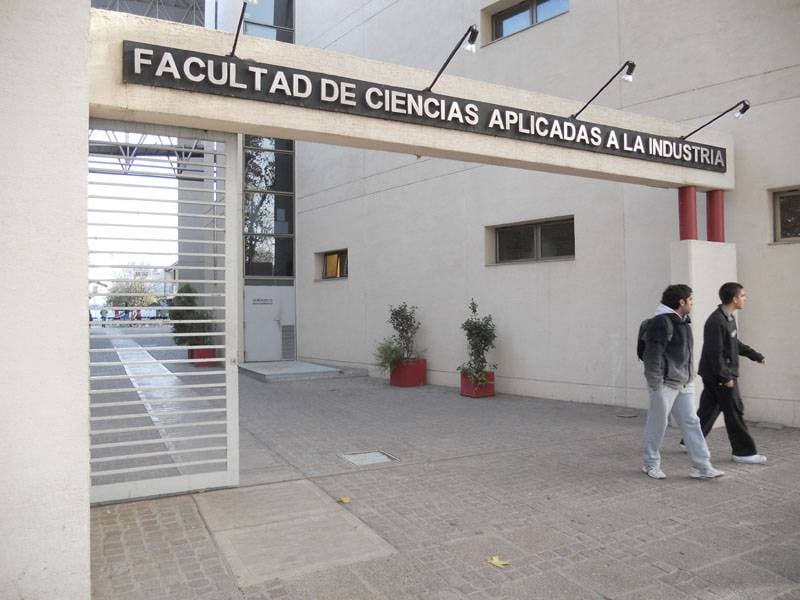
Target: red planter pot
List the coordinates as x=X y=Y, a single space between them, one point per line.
x=195 y=353
x=468 y=387
x=409 y=373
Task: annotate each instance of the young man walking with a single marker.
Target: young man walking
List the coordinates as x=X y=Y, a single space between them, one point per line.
x=669 y=373
x=719 y=368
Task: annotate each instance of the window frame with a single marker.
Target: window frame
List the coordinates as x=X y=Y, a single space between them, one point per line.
x=537 y=241
x=342 y=255
x=495 y=18
x=777 y=195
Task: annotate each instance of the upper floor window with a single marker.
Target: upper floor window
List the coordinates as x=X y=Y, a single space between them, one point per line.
x=787 y=215
x=540 y=240
x=520 y=16
x=271 y=19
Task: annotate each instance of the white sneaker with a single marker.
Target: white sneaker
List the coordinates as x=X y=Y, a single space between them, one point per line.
x=654 y=472
x=754 y=459
x=707 y=473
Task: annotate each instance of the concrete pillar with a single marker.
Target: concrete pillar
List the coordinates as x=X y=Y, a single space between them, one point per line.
x=715 y=216
x=703 y=266
x=687 y=212
x=44 y=431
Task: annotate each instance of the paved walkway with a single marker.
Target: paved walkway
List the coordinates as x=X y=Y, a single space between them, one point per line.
x=553 y=488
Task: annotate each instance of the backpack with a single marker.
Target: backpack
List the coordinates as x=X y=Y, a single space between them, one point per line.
x=640 y=340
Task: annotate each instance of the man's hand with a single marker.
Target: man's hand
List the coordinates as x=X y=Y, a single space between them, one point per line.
x=728 y=384
x=763 y=361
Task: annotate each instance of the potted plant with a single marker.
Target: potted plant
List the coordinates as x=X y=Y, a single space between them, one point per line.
x=183 y=324
x=396 y=352
x=477 y=375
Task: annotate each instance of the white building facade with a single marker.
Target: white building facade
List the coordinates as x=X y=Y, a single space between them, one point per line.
x=567 y=266
x=426 y=231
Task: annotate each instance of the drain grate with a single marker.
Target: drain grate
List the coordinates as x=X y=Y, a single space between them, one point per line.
x=363 y=459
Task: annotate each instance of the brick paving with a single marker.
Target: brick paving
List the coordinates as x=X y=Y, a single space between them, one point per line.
x=554 y=488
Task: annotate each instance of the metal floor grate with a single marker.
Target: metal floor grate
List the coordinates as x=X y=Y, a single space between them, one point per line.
x=363 y=459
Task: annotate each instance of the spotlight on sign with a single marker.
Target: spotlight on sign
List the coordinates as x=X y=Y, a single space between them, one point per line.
x=629 y=67
x=742 y=105
x=239 y=27
x=468 y=41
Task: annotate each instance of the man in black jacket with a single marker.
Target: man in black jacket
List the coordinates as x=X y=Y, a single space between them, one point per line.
x=719 y=368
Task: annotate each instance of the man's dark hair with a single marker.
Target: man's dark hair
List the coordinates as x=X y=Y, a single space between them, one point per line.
x=729 y=291
x=674 y=294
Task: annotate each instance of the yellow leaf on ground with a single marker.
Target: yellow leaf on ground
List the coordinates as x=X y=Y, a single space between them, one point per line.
x=343 y=499
x=496 y=561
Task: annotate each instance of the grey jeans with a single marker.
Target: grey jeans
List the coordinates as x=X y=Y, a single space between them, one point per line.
x=666 y=400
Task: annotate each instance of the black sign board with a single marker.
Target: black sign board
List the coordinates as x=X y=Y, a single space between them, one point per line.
x=159 y=66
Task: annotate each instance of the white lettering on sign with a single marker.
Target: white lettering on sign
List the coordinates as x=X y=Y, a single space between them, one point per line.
x=158 y=66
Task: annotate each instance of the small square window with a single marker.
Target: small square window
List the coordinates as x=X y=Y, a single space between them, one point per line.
x=787 y=215
x=334 y=264
x=540 y=240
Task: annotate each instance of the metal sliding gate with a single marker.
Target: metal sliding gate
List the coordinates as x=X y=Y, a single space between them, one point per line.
x=162 y=311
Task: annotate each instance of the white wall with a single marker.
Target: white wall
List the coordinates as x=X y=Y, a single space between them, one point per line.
x=415 y=227
x=44 y=432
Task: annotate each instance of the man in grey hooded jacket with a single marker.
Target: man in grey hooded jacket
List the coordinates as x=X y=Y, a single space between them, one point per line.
x=669 y=372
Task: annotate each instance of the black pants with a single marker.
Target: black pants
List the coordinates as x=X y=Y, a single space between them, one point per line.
x=718 y=398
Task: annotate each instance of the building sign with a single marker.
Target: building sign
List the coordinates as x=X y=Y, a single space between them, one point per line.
x=262 y=301
x=159 y=66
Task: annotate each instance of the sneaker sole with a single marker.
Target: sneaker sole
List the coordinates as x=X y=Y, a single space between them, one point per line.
x=701 y=476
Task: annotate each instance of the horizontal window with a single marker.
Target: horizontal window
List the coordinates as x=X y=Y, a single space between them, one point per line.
x=334 y=264
x=524 y=14
x=539 y=240
x=787 y=215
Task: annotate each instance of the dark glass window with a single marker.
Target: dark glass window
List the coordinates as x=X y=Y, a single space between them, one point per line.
x=268 y=143
x=535 y=241
x=787 y=215
x=269 y=170
x=516 y=243
x=557 y=239
x=525 y=14
x=266 y=213
x=270 y=19
x=271 y=12
x=334 y=264
x=268 y=256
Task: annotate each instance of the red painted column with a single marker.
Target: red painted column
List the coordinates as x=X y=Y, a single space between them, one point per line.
x=715 y=215
x=687 y=212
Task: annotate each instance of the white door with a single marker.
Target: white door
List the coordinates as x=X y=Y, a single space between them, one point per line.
x=163 y=394
x=268 y=323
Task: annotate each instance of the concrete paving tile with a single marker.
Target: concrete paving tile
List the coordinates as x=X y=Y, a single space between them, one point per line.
x=659 y=591
x=682 y=553
x=332 y=584
x=537 y=538
x=289 y=548
x=244 y=507
x=547 y=586
x=739 y=580
x=610 y=578
x=783 y=559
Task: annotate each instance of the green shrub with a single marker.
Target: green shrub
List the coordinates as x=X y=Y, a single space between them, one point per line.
x=404 y=321
x=481 y=334
x=188 y=315
x=388 y=353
